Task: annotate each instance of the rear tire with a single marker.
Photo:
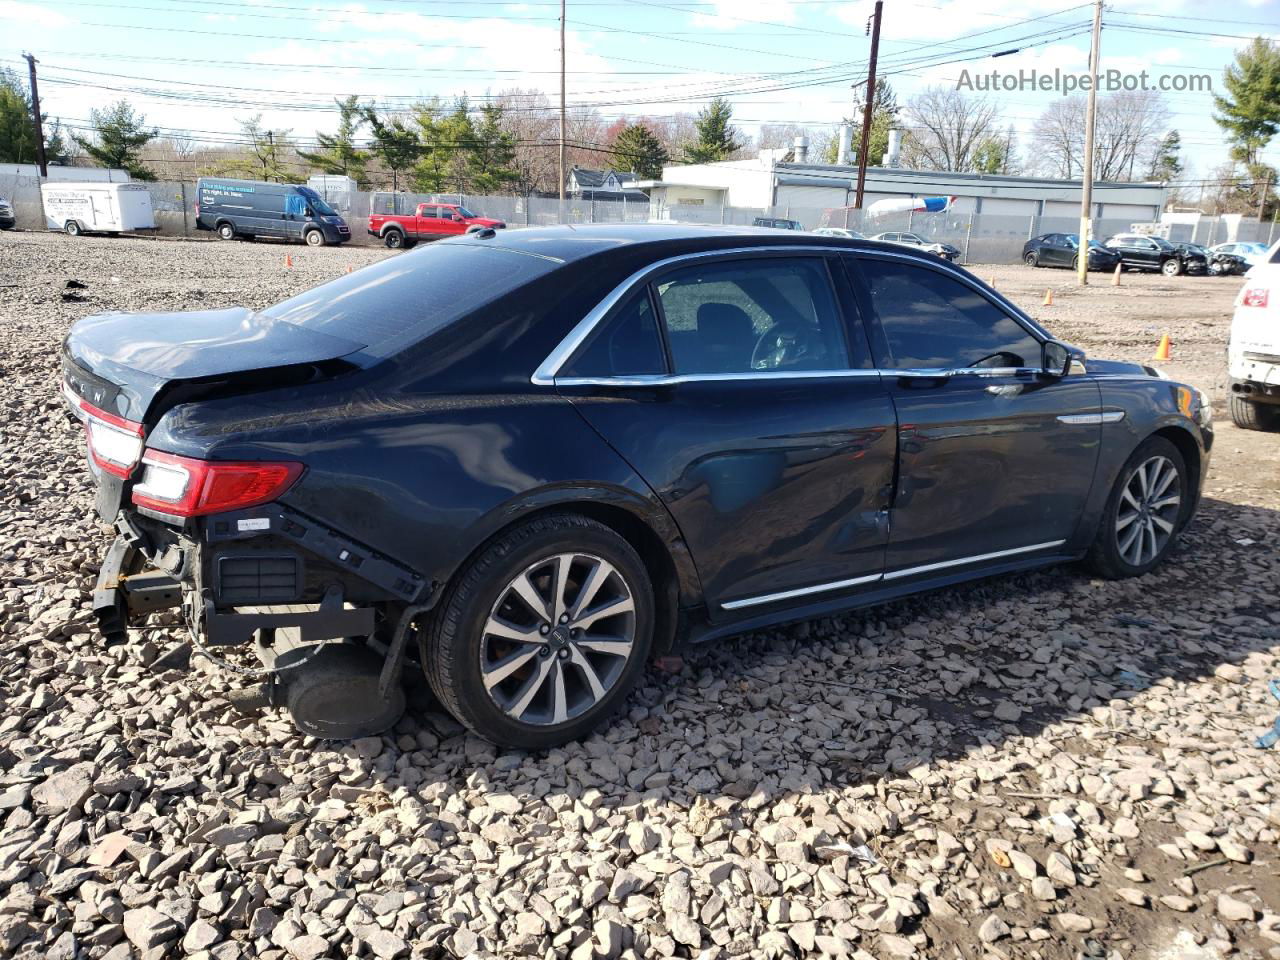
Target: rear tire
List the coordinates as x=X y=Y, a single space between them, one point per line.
x=394 y=239
x=72 y=228
x=1145 y=513
x=314 y=238
x=1032 y=259
x=226 y=231
x=1248 y=415
x=502 y=658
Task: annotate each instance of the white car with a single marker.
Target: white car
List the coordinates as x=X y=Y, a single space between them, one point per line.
x=1253 y=352
x=1253 y=253
x=838 y=232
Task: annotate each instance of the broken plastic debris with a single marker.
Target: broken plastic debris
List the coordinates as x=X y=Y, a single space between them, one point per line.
x=1001 y=857
x=864 y=853
x=1246 y=542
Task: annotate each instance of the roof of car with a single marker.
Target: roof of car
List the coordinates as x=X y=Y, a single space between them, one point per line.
x=568 y=243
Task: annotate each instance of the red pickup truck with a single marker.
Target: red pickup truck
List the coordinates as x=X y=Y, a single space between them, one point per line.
x=431 y=222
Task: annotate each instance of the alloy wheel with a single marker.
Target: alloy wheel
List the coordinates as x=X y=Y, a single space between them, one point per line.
x=1148 y=511
x=558 y=638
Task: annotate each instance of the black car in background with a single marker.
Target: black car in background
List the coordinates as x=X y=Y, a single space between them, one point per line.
x=1141 y=252
x=1063 y=250
x=538 y=458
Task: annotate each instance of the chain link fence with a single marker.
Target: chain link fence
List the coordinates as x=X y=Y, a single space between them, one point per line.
x=981 y=238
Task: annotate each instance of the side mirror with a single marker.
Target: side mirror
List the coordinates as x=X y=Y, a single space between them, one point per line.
x=1055 y=359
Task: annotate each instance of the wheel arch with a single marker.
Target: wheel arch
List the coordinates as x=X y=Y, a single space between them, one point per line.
x=660 y=547
x=1182 y=438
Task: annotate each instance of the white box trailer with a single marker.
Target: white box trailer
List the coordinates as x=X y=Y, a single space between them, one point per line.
x=77 y=208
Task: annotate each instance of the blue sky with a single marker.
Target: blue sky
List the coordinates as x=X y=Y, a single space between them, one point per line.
x=199 y=65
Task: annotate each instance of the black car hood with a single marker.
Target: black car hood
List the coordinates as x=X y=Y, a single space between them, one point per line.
x=143 y=353
x=1119 y=368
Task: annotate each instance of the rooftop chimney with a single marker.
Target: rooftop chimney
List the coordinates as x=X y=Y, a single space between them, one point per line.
x=895 y=145
x=801 y=151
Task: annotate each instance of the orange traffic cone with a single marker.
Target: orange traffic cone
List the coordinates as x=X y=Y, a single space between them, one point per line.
x=1048 y=297
x=1115 y=280
x=1162 y=351
x=288 y=260
x=348 y=269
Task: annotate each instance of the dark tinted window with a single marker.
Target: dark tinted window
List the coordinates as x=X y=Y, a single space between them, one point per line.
x=933 y=321
x=403 y=299
x=627 y=344
x=430 y=212
x=740 y=316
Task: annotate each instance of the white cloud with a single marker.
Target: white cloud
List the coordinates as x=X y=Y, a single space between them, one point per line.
x=735 y=14
x=12 y=12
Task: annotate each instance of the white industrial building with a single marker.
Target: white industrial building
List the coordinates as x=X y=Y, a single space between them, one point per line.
x=766 y=182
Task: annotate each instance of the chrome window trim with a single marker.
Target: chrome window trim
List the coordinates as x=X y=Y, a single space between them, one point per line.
x=891 y=575
x=667 y=380
x=546 y=374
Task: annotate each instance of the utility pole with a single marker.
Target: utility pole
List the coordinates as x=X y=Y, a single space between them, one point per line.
x=270 y=155
x=35 y=115
x=562 y=116
x=1086 y=185
x=871 y=99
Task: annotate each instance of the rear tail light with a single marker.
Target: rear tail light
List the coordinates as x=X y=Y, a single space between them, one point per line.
x=114 y=442
x=186 y=487
x=1254 y=297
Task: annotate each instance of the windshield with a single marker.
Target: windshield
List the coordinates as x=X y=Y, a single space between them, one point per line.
x=317 y=203
x=466 y=213
x=403 y=299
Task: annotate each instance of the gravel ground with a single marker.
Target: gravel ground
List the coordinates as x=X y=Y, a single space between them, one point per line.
x=1037 y=766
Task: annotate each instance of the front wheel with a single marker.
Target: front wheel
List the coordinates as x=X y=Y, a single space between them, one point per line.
x=314 y=238
x=1146 y=511
x=72 y=228
x=1075 y=263
x=1171 y=267
x=1032 y=259
x=542 y=636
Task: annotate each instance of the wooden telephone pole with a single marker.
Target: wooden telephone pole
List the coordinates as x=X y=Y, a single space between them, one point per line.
x=1086 y=184
x=35 y=115
x=866 y=113
x=562 y=111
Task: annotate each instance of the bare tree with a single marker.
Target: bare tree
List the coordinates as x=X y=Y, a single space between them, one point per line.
x=172 y=158
x=944 y=128
x=1129 y=132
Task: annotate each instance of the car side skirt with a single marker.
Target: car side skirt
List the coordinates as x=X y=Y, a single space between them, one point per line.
x=884 y=591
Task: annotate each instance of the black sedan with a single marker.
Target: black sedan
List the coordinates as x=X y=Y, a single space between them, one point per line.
x=1141 y=252
x=533 y=460
x=1063 y=250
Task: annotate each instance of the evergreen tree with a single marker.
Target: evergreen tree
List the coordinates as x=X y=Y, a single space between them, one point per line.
x=338 y=153
x=57 y=151
x=17 y=133
x=1250 y=112
x=1166 y=164
x=717 y=138
x=394 y=143
x=491 y=158
x=118 y=138
x=444 y=138
x=637 y=149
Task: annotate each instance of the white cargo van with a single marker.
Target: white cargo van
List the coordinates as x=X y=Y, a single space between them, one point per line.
x=78 y=208
x=1253 y=353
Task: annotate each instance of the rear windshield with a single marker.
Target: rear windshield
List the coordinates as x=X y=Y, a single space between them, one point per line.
x=411 y=296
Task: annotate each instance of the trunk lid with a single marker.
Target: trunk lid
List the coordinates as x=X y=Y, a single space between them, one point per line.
x=123 y=363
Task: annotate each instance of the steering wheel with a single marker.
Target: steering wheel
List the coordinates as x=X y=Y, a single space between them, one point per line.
x=786 y=345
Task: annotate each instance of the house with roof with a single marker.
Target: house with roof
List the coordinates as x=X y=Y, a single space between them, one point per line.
x=614 y=185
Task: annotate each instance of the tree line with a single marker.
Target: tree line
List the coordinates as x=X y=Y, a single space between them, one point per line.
x=509 y=143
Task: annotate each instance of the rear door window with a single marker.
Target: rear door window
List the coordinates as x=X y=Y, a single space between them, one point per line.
x=752 y=316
